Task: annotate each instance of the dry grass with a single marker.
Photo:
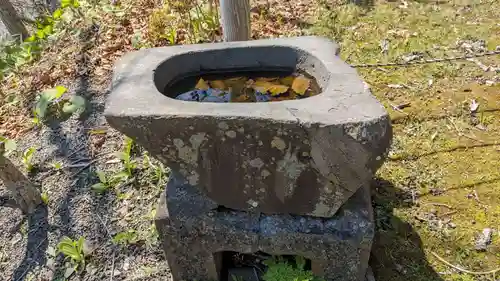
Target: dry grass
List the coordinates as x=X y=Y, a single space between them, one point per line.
x=442 y=153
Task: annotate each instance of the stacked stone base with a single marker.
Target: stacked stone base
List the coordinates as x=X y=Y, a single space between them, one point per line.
x=195 y=231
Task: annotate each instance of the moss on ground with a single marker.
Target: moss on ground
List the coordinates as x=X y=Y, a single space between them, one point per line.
x=445 y=162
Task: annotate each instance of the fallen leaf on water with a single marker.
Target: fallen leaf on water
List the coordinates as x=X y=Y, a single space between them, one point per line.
x=300 y=85
x=201 y=85
x=218 y=84
x=265 y=86
x=287 y=80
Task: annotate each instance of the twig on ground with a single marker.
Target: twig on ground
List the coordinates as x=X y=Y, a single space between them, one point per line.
x=397 y=108
x=421 y=218
x=84 y=168
x=476 y=196
x=448 y=213
x=80 y=148
x=465 y=270
x=438 y=204
x=76 y=165
x=89 y=164
x=462 y=134
x=110 y=237
x=112 y=267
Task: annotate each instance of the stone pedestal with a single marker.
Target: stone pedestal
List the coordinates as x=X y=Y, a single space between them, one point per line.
x=195 y=231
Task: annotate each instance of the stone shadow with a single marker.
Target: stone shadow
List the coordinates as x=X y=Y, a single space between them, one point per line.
x=78 y=144
x=36 y=247
x=397 y=252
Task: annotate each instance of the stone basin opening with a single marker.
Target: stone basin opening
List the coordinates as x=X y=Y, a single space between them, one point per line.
x=246 y=85
x=235 y=266
x=181 y=72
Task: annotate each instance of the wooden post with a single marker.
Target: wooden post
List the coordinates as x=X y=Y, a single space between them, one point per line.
x=235 y=18
x=11 y=20
x=26 y=195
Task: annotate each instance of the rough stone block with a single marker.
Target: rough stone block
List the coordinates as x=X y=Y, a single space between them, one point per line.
x=304 y=157
x=194 y=231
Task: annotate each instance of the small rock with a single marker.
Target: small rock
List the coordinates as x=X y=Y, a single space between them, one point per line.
x=116 y=273
x=16 y=238
x=51 y=251
x=473 y=106
x=69 y=271
x=483 y=240
x=481 y=127
x=51 y=264
x=126 y=263
x=452 y=225
x=489 y=83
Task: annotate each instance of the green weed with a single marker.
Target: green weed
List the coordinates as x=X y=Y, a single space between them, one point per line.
x=56 y=165
x=45 y=198
x=73 y=250
x=9 y=146
x=278 y=269
x=104 y=183
x=27 y=159
x=156 y=172
x=52 y=100
x=129 y=164
x=14 y=54
x=126 y=237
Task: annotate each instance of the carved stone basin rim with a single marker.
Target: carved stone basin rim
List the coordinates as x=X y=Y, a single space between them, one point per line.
x=343 y=97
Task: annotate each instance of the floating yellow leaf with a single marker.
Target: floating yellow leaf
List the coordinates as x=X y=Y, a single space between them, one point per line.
x=300 y=85
x=218 y=84
x=287 y=80
x=278 y=89
x=265 y=86
x=201 y=85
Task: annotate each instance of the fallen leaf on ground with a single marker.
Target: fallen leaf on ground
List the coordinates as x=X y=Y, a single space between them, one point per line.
x=300 y=85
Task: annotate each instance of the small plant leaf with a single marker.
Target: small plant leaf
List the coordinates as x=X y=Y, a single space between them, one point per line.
x=121 y=155
x=75 y=103
x=45 y=198
x=57 y=92
x=28 y=154
x=57 y=14
x=9 y=145
x=102 y=176
x=121 y=176
x=99 y=187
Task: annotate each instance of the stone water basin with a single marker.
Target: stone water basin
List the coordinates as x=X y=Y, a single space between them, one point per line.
x=304 y=156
